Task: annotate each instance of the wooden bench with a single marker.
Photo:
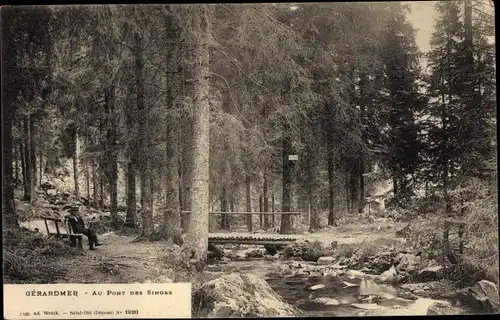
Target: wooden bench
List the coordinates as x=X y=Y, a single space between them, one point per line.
x=72 y=236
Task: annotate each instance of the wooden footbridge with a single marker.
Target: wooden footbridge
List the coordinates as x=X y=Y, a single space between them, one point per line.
x=250 y=238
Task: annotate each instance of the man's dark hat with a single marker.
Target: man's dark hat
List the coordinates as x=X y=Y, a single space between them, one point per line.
x=75 y=206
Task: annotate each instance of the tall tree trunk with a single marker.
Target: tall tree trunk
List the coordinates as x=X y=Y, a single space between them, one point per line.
x=143 y=160
x=24 y=169
x=272 y=205
x=87 y=180
x=95 y=187
x=110 y=98
x=261 y=222
x=354 y=191
x=16 y=162
x=75 y=164
x=248 y=202
x=182 y=205
x=361 y=200
x=330 y=167
x=286 y=204
x=33 y=159
x=40 y=170
x=314 y=220
x=361 y=170
x=27 y=161
x=223 y=208
x=197 y=235
x=8 y=204
x=130 y=220
x=171 y=218
x=101 y=194
x=267 y=223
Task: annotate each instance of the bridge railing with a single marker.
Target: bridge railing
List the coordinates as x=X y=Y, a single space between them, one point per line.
x=273 y=214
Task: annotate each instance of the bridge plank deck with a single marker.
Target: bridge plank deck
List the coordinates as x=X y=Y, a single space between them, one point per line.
x=251 y=238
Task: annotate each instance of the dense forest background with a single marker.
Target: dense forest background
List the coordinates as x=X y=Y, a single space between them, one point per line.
x=170 y=108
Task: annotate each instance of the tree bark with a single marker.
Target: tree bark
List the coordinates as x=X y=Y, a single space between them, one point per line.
x=8 y=204
x=172 y=218
x=16 y=161
x=143 y=160
x=40 y=170
x=353 y=184
x=267 y=223
x=314 y=220
x=272 y=206
x=224 y=208
x=130 y=220
x=261 y=222
x=24 y=169
x=27 y=161
x=75 y=163
x=101 y=194
x=87 y=180
x=110 y=98
x=330 y=167
x=197 y=235
x=361 y=200
x=33 y=159
x=95 y=187
x=287 y=182
x=248 y=202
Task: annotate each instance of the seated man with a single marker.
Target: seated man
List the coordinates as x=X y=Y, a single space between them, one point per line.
x=78 y=226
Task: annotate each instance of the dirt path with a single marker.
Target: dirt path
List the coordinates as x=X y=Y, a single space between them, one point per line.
x=119 y=260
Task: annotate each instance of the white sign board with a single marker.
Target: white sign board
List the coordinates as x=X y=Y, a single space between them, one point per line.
x=293 y=157
x=97 y=301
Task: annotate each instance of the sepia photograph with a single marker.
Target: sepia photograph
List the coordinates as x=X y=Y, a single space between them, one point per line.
x=291 y=159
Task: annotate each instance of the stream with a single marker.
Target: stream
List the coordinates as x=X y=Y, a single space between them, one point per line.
x=333 y=295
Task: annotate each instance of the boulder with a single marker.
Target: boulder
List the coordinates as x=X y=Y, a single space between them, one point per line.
x=431 y=273
x=47 y=185
x=388 y=275
x=238 y=255
x=284 y=269
x=317 y=287
x=408 y=263
x=214 y=252
x=326 y=301
x=481 y=297
x=440 y=309
x=256 y=253
x=238 y=296
x=407 y=295
x=326 y=260
x=369 y=298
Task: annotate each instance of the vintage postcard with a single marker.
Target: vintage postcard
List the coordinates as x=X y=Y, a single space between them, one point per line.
x=249 y=160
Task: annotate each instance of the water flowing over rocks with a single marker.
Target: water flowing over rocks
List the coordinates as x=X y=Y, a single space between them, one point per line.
x=237 y=296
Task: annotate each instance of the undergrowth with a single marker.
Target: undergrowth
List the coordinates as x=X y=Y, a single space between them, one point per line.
x=479 y=259
x=30 y=257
